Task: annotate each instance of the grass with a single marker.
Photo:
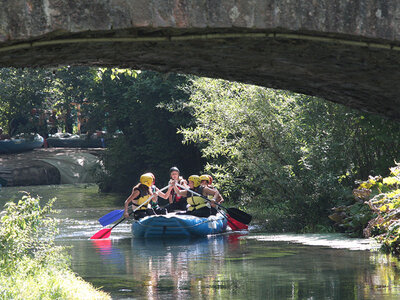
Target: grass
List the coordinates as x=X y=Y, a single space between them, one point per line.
x=31 y=266
x=41 y=282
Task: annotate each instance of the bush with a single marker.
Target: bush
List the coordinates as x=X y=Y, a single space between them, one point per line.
x=376 y=212
x=385 y=203
x=31 y=266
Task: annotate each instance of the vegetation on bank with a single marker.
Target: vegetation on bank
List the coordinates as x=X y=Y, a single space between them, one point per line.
x=287 y=157
x=146 y=110
x=31 y=265
x=291 y=157
x=376 y=212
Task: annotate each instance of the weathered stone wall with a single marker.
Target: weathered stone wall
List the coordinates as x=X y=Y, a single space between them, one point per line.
x=24 y=19
x=345 y=51
x=35 y=173
x=48 y=166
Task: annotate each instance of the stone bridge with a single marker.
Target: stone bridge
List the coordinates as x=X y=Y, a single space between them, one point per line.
x=346 y=51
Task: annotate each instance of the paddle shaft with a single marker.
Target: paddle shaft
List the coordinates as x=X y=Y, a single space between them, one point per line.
x=222 y=212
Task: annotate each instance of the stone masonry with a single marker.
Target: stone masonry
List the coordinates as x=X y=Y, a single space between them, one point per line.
x=344 y=51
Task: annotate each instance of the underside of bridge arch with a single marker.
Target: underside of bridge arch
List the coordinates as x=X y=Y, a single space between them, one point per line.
x=358 y=72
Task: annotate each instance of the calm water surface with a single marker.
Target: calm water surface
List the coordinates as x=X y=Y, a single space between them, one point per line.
x=253 y=265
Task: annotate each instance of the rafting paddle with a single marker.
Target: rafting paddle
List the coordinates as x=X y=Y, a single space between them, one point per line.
x=111 y=217
x=234 y=213
x=233 y=224
x=115 y=215
x=106 y=232
x=236 y=225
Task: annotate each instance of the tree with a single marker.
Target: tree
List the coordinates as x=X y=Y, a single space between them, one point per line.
x=290 y=155
x=22 y=90
x=139 y=107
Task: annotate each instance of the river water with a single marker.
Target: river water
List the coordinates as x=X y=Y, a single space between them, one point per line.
x=247 y=265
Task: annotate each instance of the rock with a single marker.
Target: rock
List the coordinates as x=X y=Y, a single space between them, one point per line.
x=361 y=194
x=337 y=217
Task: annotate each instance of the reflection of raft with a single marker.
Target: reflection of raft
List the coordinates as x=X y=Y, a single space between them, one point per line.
x=178 y=226
x=20 y=144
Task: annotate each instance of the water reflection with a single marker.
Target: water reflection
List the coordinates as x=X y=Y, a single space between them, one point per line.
x=229 y=266
x=109 y=254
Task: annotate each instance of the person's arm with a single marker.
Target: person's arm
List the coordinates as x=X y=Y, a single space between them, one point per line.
x=170 y=200
x=185 y=184
x=180 y=192
x=164 y=195
x=132 y=196
x=220 y=199
x=213 y=192
x=171 y=185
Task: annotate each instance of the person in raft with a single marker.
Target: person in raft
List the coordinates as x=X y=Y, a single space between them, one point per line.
x=206 y=180
x=198 y=206
x=176 y=202
x=140 y=195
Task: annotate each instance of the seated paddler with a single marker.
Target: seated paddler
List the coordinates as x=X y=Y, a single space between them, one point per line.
x=206 y=180
x=198 y=206
x=176 y=202
x=140 y=197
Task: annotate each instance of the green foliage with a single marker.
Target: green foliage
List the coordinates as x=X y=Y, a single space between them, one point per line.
x=31 y=266
x=142 y=107
x=352 y=219
x=384 y=202
x=20 y=91
x=31 y=281
x=277 y=149
x=27 y=232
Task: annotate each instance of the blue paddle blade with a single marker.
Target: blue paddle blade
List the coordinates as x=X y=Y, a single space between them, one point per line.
x=111 y=217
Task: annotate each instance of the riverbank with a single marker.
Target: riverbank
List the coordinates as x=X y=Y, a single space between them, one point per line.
x=375 y=212
x=30 y=282
x=49 y=166
x=31 y=265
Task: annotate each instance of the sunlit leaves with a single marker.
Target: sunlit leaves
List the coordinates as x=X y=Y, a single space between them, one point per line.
x=27 y=231
x=269 y=146
x=391 y=181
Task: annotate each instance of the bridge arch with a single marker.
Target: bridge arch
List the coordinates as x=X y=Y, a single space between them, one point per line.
x=344 y=51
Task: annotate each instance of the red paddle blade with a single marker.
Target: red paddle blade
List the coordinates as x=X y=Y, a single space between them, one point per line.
x=236 y=225
x=102 y=234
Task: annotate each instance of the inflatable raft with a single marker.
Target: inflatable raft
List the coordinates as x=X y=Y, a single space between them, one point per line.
x=68 y=140
x=175 y=225
x=21 y=143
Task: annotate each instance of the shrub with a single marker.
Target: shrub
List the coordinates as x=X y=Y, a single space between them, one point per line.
x=31 y=265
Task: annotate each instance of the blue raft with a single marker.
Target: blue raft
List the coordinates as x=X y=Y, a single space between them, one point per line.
x=20 y=144
x=173 y=225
